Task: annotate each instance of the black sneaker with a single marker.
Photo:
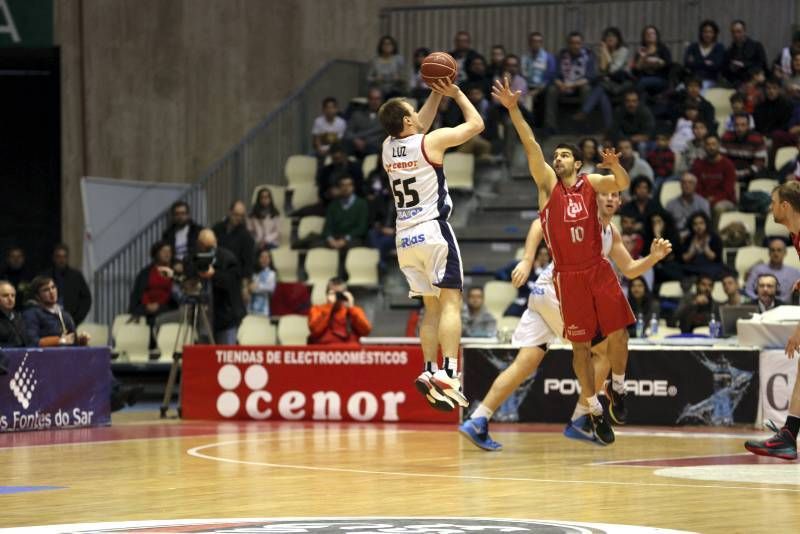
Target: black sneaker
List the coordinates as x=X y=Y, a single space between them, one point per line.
x=781 y=445
x=616 y=406
x=602 y=429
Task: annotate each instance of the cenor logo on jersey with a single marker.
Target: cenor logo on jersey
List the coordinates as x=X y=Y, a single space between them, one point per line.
x=576 y=209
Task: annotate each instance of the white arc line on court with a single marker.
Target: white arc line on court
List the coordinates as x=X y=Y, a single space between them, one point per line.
x=195 y=451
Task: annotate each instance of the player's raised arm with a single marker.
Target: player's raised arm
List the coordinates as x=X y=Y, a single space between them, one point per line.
x=441 y=139
x=428 y=111
x=631 y=268
x=618 y=180
x=522 y=271
x=542 y=173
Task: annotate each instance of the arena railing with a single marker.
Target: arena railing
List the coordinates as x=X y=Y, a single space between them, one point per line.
x=257 y=159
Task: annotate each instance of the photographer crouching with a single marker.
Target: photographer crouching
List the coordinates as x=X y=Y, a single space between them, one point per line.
x=339 y=320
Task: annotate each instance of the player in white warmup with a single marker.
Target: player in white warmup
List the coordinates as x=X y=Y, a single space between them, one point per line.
x=426 y=245
x=542 y=323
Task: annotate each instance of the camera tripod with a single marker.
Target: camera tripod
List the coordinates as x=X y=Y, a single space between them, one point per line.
x=193 y=306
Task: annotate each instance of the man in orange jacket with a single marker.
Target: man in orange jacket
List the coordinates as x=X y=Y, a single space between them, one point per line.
x=338 y=321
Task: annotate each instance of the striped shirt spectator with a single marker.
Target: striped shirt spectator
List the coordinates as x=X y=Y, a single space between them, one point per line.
x=746 y=148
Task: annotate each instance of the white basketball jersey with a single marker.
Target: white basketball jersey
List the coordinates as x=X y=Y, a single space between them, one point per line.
x=419 y=187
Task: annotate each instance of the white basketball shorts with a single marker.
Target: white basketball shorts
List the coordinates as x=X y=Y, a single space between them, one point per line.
x=541 y=323
x=429 y=258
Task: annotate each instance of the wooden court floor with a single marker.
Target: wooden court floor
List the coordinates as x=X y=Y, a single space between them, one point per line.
x=142 y=469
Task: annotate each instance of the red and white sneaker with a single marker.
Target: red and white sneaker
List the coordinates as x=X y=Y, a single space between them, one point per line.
x=436 y=399
x=449 y=386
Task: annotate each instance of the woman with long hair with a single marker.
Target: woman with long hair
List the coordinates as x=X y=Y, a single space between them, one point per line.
x=705 y=58
x=652 y=63
x=613 y=75
x=387 y=69
x=591 y=154
x=263 y=222
x=642 y=302
x=701 y=250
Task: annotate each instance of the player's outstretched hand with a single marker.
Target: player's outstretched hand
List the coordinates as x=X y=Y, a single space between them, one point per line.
x=444 y=88
x=521 y=273
x=610 y=158
x=502 y=92
x=660 y=249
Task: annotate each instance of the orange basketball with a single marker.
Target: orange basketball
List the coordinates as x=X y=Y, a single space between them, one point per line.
x=438 y=66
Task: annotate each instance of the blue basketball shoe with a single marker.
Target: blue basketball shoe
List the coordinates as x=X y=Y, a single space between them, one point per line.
x=477 y=431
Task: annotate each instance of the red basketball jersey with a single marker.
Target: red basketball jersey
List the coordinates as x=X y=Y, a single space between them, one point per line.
x=571 y=226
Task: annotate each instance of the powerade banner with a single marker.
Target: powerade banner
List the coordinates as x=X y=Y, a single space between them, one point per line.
x=311 y=383
x=778 y=375
x=55 y=388
x=665 y=387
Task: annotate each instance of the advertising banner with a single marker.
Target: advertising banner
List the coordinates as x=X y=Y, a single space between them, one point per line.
x=55 y=388
x=312 y=383
x=665 y=387
x=778 y=375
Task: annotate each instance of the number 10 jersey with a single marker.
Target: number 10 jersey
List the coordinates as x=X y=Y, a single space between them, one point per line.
x=419 y=186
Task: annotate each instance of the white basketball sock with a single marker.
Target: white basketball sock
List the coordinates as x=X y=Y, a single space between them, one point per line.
x=580 y=411
x=594 y=405
x=450 y=365
x=618 y=383
x=482 y=411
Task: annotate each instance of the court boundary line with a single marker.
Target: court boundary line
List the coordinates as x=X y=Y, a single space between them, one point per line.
x=195 y=452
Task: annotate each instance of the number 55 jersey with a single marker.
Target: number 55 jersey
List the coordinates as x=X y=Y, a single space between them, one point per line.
x=426 y=245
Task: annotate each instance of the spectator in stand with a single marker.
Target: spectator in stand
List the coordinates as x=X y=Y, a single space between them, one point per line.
x=477 y=75
x=328 y=128
x=772 y=117
x=730 y=285
x=510 y=70
x=387 y=70
x=701 y=250
x=182 y=232
x=716 y=177
x=737 y=106
x=687 y=204
x=538 y=66
x=264 y=222
x=462 y=53
x=47 y=323
x=347 y=219
x=418 y=89
x=705 y=58
x=631 y=238
x=476 y=321
x=382 y=236
x=753 y=90
x=641 y=205
x=12 y=327
x=73 y=292
x=152 y=292
x=782 y=66
x=695 y=149
x=339 y=320
x=791 y=170
x=642 y=302
x=652 y=64
x=364 y=133
x=661 y=158
x=746 y=148
x=691 y=95
x=496 y=59
x=634 y=120
x=479 y=145
x=683 y=134
x=328 y=176
x=591 y=154
x=695 y=310
x=785 y=275
x=574 y=77
x=16 y=271
x=232 y=234
x=743 y=55
x=631 y=162
x=613 y=75
x=791 y=83
x=262 y=285
x=660 y=225
x=766 y=293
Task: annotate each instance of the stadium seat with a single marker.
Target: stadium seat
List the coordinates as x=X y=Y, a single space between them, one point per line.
x=319 y=293
x=285 y=261
x=132 y=342
x=746 y=257
x=763 y=184
x=121 y=319
x=311 y=224
x=616 y=220
x=362 y=266
x=304 y=195
x=322 y=264
x=293 y=330
x=460 y=171
x=784 y=155
x=498 y=296
x=718 y=294
x=791 y=258
x=773 y=229
x=747 y=219
x=369 y=164
x=256 y=330
x=300 y=170
x=508 y=323
x=165 y=339
x=98 y=334
x=669 y=190
x=720 y=98
x=278 y=195
x=671 y=290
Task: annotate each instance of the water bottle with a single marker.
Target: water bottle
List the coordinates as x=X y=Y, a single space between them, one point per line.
x=654 y=324
x=640 y=326
x=713 y=327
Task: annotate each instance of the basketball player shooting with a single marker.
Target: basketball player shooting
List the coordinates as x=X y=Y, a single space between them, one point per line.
x=426 y=245
x=587 y=288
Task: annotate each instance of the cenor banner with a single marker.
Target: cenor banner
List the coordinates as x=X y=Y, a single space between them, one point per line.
x=55 y=388
x=665 y=386
x=315 y=383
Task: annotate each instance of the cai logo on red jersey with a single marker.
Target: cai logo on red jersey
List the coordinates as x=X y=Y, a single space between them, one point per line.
x=575 y=209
